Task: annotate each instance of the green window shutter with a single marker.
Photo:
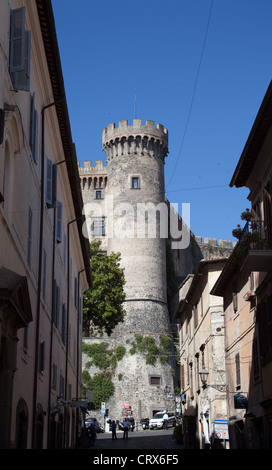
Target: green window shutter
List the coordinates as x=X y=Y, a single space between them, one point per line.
x=17 y=40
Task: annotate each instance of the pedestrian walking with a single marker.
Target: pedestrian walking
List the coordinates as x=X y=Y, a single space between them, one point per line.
x=113 y=429
x=92 y=434
x=125 y=427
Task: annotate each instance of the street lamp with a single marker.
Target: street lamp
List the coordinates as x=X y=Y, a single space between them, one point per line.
x=204 y=376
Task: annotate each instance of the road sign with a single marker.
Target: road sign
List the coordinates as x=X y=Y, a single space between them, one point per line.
x=103 y=408
x=221 y=429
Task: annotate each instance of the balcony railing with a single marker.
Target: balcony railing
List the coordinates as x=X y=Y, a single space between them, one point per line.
x=255 y=247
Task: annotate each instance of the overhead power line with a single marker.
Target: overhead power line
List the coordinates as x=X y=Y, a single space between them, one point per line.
x=194 y=91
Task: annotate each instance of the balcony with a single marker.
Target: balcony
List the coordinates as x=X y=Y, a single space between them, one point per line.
x=257 y=260
x=255 y=248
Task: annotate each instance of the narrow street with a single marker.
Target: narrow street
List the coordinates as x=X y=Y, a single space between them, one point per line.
x=147 y=439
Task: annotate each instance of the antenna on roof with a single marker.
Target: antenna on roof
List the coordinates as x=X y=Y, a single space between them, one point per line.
x=135 y=102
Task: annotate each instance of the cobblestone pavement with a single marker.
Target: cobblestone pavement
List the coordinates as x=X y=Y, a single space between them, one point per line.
x=147 y=439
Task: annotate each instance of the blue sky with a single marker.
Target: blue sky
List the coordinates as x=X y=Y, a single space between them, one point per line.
x=199 y=67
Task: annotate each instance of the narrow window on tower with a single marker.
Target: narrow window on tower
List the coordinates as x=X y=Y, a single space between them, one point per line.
x=135 y=182
x=98 y=227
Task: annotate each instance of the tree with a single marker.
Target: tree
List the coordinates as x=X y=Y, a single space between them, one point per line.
x=103 y=302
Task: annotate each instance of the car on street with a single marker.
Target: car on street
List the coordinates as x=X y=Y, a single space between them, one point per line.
x=157 y=421
x=98 y=427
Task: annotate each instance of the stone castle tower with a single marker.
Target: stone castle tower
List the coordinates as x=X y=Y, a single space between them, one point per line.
x=117 y=198
x=134 y=178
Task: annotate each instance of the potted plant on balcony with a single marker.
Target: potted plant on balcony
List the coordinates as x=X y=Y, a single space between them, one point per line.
x=237 y=232
x=246 y=215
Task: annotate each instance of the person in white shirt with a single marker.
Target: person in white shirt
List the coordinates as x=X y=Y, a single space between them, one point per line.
x=165 y=420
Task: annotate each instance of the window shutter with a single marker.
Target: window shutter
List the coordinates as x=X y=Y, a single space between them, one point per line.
x=34 y=130
x=59 y=222
x=63 y=324
x=35 y=151
x=29 y=236
x=21 y=79
x=56 y=303
x=17 y=40
x=49 y=182
x=42 y=356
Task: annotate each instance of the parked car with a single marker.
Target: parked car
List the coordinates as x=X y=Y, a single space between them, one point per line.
x=157 y=421
x=98 y=427
x=145 y=423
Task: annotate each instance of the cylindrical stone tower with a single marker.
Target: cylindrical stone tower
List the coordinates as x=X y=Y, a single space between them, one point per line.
x=136 y=226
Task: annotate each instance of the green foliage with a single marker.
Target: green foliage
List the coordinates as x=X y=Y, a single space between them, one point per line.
x=146 y=346
x=103 y=302
x=101 y=386
x=103 y=357
x=164 y=352
x=106 y=359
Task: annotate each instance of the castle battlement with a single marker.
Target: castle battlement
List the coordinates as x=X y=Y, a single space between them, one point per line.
x=149 y=129
x=214 y=242
x=134 y=140
x=88 y=169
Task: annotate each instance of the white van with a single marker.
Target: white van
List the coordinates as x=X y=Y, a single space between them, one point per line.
x=157 y=421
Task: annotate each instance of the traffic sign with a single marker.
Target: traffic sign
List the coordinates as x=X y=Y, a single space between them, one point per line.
x=103 y=408
x=221 y=429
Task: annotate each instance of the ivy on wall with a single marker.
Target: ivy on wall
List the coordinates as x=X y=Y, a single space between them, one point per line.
x=106 y=360
x=146 y=346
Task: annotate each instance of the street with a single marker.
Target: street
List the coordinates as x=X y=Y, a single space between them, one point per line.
x=156 y=439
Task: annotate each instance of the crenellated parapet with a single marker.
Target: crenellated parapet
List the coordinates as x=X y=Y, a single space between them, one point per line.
x=137 y=139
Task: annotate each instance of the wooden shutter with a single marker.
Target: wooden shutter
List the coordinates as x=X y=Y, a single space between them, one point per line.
x=59 y=222
x=17 y=40
x=29 y=236
x=63 y=324
x=237 y=364
x=56 y=303
x=42 y=356
x=34 y=130
x=182 y=381
x=49 y=182
x=21 y=79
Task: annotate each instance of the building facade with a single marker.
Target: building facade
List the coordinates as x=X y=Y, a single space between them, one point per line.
x=202 y=349
x=245 y=285
x=44 y=257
